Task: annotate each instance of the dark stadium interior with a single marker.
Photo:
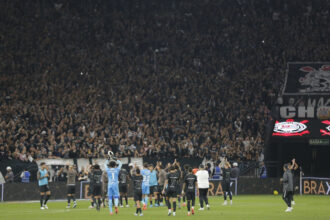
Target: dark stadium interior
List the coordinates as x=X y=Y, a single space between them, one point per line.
x=191 y=80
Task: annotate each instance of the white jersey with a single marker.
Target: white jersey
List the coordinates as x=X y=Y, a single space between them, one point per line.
x=202 y=179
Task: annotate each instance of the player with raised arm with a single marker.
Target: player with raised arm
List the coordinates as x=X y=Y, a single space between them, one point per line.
x=188 y=189
x=113 y=169
x=287 y=186
x=294 y=166
x=170 y=189
x=43 y=176
x=225 y=184
x=145 y=185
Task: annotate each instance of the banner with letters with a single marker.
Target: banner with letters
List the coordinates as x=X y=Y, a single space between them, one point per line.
x=314 y=186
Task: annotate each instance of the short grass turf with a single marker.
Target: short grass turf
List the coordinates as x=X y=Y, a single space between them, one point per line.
x=244 y=207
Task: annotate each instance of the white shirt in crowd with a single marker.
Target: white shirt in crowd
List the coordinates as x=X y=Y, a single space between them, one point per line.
x=202 y=179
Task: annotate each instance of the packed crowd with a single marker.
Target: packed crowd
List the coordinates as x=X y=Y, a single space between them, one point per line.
x=148 y=78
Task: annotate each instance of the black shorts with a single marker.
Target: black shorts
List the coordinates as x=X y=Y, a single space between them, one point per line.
x=71 y=189
x=104 y=190
x=123 y=188
x=160 y=189
x=44 y=188
x=153 y=189
x=225 y=186
x=90 y=190
x=171 y=193
x=179 y=190
x=97 y=190
x=138 y=196
x=190 y=195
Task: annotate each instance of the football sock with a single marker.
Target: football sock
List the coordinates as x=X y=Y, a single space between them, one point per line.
x=126 y=200
x=150 y=201
x=73 y=198
x=41 y=200
x=92 y=203
x=188 y=205
x=69 y=200
x=110 y=205
x=174 y=206
x=46 y=200
x=146 y=200
x=206 y=200
x=193 y=202
x=168 y=204
x=116 y=202
x=225 y=195
x=121 y=200
x=184 y=198
x=230 y=196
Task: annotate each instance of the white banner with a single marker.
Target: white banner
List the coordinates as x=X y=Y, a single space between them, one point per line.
x=55 y=161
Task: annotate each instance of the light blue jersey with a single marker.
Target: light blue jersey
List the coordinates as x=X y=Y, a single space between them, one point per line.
x=43 y=181
x=113 y=190
x=145 y=182
x=153 y=178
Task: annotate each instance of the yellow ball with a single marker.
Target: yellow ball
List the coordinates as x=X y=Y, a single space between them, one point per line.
x=275 y=193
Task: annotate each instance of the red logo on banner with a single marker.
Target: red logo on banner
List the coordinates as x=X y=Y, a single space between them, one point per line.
x=290 y=128
x=326 y=131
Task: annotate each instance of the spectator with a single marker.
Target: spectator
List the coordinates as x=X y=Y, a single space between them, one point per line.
x=9 y=175
x=25 y=176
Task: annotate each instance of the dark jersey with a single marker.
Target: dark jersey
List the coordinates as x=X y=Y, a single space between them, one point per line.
x=123 y=177
x=226 y=174
x=137 y=182
x=190 y=181
x=96 y=177
x=173 y=180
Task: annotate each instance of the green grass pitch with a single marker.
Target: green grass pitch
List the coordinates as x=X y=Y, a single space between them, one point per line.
x=244 y=207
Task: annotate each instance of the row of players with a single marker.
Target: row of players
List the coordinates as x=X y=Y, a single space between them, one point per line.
x=148 y=182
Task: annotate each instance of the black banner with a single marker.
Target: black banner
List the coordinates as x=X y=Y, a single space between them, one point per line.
x=315 y=186
x=307 y=79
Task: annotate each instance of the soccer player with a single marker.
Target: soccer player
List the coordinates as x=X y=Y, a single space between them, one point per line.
x=123 y=179
x=294 y=166
x=161 y=182
x=113 y=191
x=177 y=166
x=91 y=187
x=188 y=189
x=171 y=185
x=226 y=183
x=153 y=185
x=43 y=176
x=137 y=179
x=96 y=180
x=104 y=187
x=145 y=185
x=185 y=172
x=71 y=175
x=287 y=187
x=203 y=186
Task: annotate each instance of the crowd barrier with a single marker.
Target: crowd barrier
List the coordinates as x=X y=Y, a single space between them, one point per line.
x=30 y=191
